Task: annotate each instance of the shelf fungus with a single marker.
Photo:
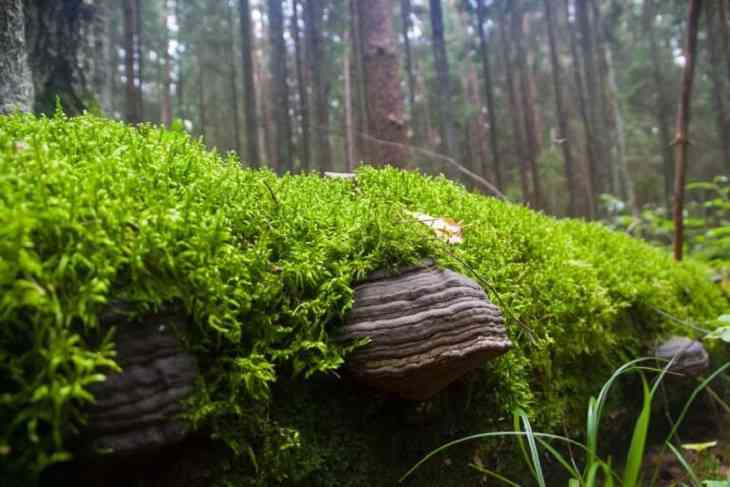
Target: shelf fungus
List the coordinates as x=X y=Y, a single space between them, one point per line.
x=137 y=410
x=426 y=327
x=690 y=357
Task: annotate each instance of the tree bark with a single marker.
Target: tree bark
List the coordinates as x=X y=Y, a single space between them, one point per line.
x=139 y=49
x=166 y=106
x=249 y=87
x=405 y=12
x=231 y=47
x=441 y=65
x=132 y=105
x=517 y=136
x=349 y=139
x=360 y=128
x=489 y=95
x=280 y=88
x=723 y=19
x=385 y=100
x=476 y=133
x=304 y=148
x=585 y=119
x=681 y=140
x=586 y=44
x=663 y=110
x=565 y=141
x=16 y=83
x=536 y=198
x=718 y=88
x=313 y=13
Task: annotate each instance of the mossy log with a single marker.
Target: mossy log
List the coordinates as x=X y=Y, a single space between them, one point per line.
x=427 y=327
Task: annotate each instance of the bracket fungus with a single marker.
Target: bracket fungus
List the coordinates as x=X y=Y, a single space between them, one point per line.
x=427 y=327
x=691 y=357
x=137 y=410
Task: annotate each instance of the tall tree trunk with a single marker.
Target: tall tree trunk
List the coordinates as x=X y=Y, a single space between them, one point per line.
x=681 y=140
x=16 y=83
x=489 y=95
x=231 y=47
x=99 y=52
x=723 y=19
x=441 y=65
x=266 y=122
x=139 y=49
x=585 y=119
x=249 y=87
x=517 y=135
x=313 y=13
x=607 y=130
x=476 y=133
x=202 y=105
x=718 y=88
x=280 y=88
x=565 y=141
x=130 y=25
x=166 y=108
x=405 y=12
x=385 y=100
x=349 y=139
x=529 y=122
x=586 y=44
x=361 y=143
x=304 y=147
x=663 y=109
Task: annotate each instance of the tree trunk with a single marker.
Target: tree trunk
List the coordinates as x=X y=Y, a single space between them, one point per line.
x=249 y=88
x=718 y=88
x=405 y=12
x=280 y=89
x=565 y=140
x=441 y=65
x=385 y=100
x=132 y=105
x=529 y=122
x=489 y=95
x=349 y=139
x=360 y=128
x=663 y=110
x=166 y=108
x=476 y=134
x=583 y=109
x=724 y=35
x=16 y=83
x=202 y=106
x=231 y=47
x=139 y=49
x=586 y=44
x=517 y=136
x=304 y=148
x=313 y=13
x=681 y=140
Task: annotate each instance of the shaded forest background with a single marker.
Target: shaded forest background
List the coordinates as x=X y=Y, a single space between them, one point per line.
x=552 y=102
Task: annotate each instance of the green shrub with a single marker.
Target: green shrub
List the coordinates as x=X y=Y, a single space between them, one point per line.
x=93 y=211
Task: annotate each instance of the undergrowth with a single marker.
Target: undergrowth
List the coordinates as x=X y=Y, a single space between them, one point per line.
x=93 y=211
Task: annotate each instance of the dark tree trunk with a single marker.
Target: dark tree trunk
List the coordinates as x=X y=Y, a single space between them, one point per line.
x=405 y=12
x=385 y=100
x=565 y=141
x=489 y=95
x=314 y=12
x=16 y=83
x=304 y=147
x=360 y=129
x=592 y=105
x=585 y=119
x=441 y=65
x=476 y=134
x=529 y=122
x=718 y=89
x=723 y=7
x=663 y=105
x=518 y=140
x=681 y=140
x=280 y=89
x=249 y=88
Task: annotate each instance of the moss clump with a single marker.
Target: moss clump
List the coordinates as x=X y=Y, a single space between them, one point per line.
x=93 y=211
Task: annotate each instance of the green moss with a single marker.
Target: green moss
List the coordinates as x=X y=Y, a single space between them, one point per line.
x=93 y=211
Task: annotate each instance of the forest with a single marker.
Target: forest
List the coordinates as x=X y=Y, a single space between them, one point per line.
x=365 y=242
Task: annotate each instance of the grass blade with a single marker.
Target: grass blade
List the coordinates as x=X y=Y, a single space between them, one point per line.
x=686 y=466
x=491 y=473
x=638 y=440
x=535 y=453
